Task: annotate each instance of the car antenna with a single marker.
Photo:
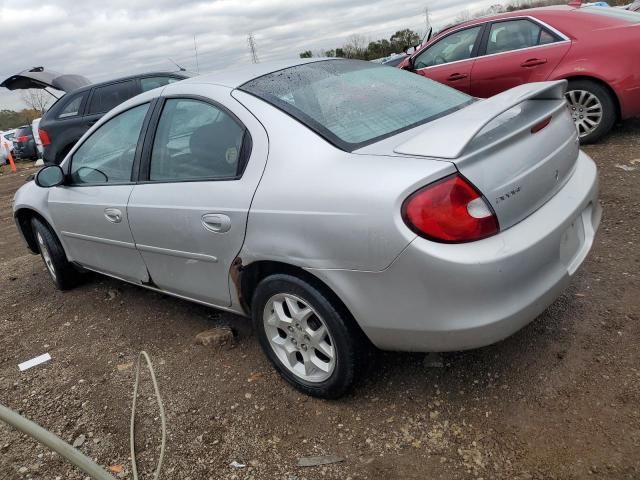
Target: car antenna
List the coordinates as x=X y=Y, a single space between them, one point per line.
x=180 y=69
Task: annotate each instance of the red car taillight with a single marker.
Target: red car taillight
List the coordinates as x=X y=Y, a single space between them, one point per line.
x=44 y=137
x=450 y=210
x=22 y=139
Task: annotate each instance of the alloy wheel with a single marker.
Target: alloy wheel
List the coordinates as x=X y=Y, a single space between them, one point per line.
x=46 y=256
x=299 y=337
x=586 y=111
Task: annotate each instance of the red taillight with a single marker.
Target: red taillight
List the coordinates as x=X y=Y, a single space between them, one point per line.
x=44 y=137
x=450 y=210
x=23 y=139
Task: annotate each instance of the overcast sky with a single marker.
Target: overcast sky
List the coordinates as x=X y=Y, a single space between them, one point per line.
x=112 y=38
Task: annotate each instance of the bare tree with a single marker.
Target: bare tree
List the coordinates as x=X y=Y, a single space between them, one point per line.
x=36 y=99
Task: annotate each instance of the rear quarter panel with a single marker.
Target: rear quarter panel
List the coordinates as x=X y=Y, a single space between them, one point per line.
x=320 y=207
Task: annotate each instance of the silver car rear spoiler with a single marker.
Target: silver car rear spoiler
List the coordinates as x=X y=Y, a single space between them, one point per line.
x=449 y=136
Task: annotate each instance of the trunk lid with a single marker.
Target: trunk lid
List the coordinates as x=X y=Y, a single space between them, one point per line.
x=518 y=148
x=39 y=78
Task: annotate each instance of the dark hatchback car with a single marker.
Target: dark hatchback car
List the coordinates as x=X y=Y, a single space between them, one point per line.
x=71 y=116
x=24 y=145
x=83 y=104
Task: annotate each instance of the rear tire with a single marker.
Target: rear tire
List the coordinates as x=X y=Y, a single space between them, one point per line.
x=61 y=271
x=593 y=109
x=310 y=340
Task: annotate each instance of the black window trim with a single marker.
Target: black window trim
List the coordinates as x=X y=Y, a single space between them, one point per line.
x=543 y=26
x=152 y=129
x=136 y=158
x=474 y=51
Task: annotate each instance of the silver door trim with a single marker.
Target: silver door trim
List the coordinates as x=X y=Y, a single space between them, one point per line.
x=178 y=253
x=106 y=241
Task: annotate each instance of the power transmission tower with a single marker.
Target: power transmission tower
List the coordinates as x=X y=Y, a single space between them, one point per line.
x=252 y=48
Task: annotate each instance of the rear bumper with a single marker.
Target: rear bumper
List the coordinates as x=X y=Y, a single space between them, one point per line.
x=438 y=297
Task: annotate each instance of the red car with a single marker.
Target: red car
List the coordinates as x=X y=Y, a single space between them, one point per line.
x=597 y=49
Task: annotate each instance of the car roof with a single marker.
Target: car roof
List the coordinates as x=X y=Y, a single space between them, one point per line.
x=181 y=73
x=234 y=77
x=529 y=12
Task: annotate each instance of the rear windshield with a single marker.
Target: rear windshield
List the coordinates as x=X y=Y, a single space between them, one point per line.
x=620 y=14
x=354 y=103
x=23 y=131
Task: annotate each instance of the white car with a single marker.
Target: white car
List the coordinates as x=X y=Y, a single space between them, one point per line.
x=36 y=137
x=6 y=145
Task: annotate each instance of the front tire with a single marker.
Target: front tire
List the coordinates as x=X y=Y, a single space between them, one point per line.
x=62 y=272
x=592 y=108
x=311 y=341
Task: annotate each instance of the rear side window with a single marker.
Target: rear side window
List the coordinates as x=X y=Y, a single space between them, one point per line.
x=515 y=35
x=354 y=103
x=196 y=141
x=149 y=83
x=72 y=108
x=107 y=97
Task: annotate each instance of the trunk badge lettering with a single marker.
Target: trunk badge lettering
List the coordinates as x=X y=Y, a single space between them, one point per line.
x=508 y=195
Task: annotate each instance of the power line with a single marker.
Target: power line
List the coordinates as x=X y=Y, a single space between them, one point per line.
x=253 y=49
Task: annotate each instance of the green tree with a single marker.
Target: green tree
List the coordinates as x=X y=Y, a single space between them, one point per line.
x=306 y=54
x=404 y=38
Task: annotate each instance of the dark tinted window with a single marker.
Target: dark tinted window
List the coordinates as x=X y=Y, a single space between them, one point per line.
x=353 y=103
x=107 y=155
x=72 y=108
x=24 y=131
x=195 y=141
x=516 y=34
x=149 y=83
x=109 y=96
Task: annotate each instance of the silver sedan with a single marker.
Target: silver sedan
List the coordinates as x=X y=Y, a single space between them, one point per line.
x=340 y=204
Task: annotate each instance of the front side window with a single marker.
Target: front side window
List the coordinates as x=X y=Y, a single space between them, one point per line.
x=452 y=48
x=515 y=35
x=107 y=155
x=353 y=103
x=149 y=83
x=195 y=141
x=72 y=108
x=107 y=97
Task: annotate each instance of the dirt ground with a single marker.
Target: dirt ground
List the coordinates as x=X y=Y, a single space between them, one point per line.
x=558 y=400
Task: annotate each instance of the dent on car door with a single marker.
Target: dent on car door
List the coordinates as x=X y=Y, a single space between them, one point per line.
x=450 y=59
x=89 y=210
x=514 y=52
x=189 y=215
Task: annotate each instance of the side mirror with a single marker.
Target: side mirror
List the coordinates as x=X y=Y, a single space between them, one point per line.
x=409 y=66
x=50 y=176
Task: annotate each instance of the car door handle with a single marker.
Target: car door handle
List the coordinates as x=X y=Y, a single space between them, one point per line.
x=533 y=62
x=456 y=76
x=216 y=222
x=113 y=215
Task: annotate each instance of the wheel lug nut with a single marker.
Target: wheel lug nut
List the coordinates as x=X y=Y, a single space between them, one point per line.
x=304 y=347
x=293 y=340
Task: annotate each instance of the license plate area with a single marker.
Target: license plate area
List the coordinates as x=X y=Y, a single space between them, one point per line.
x=576 y=240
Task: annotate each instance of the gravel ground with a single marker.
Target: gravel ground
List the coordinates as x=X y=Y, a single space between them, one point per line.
x=560 y=399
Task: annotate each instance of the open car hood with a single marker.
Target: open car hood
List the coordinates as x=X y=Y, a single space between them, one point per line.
x=39 y=78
